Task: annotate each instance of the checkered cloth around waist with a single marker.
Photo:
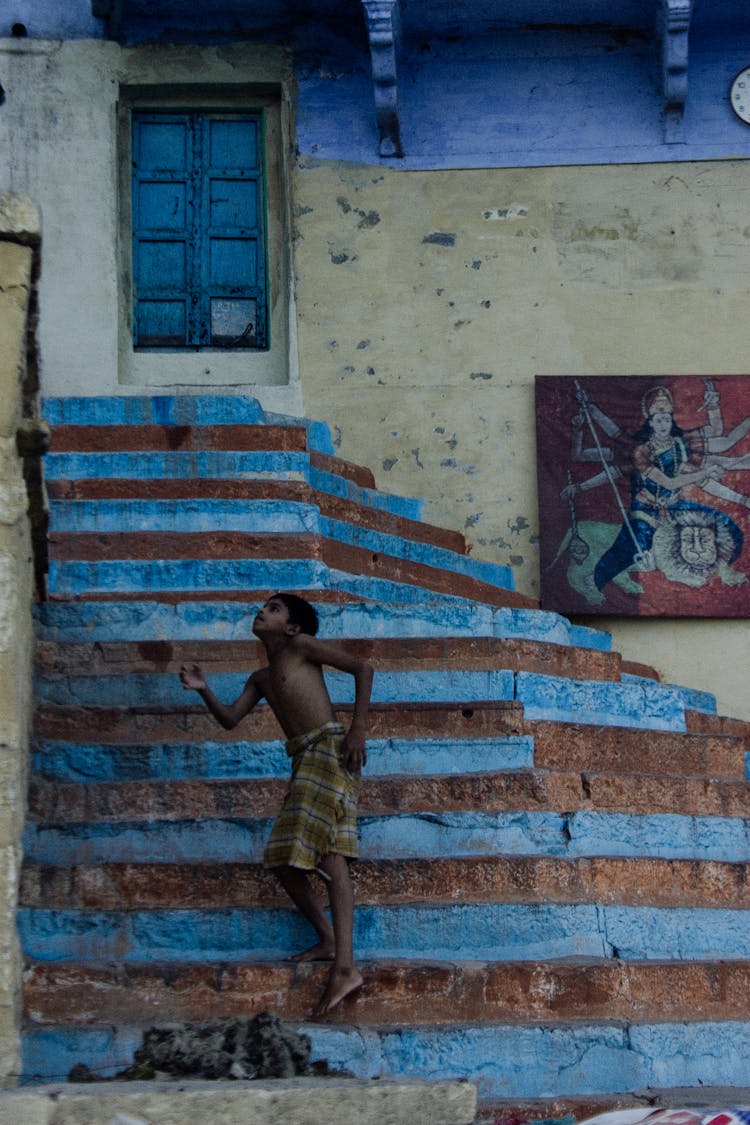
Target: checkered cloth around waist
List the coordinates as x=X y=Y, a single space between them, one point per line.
x=302 y=742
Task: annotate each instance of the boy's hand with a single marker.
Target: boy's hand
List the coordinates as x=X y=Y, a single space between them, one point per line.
x=192 y=677
x=353 y=752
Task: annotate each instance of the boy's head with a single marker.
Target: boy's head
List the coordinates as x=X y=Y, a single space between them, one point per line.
x=300 y=612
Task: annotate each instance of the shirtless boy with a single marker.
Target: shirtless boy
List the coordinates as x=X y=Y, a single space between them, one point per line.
x=316 y=828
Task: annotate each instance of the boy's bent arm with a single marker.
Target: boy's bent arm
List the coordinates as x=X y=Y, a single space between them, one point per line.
x=354 y=750
x=227 y=714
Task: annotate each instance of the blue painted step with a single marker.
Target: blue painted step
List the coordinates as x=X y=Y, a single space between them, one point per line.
x=403 y=836
x=645 y=704
x=176 y=410
x=527 y=1062
x=522 y=1062
x=258 y=517
x=73 y=761
x=476 y=932
x=211 y=465
x=72 y=579
x=507 y=1061
x=436 y=616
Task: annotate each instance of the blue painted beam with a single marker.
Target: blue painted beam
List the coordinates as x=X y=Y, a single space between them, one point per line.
x=534 y=97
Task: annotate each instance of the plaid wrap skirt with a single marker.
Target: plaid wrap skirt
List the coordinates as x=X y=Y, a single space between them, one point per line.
x=319 y=812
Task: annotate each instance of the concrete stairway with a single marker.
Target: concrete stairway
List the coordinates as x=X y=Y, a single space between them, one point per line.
x=553 y=886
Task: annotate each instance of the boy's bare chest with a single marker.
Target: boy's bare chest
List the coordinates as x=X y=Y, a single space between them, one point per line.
x=297 y=694
x=290 y=678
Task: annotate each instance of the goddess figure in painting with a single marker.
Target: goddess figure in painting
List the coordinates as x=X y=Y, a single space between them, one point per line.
x=663 y=460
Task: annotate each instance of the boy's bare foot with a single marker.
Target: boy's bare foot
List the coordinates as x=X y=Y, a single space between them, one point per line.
x=341 y=983
x=323 y=951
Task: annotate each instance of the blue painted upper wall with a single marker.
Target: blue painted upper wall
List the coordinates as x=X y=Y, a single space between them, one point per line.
x=545 y=97
x=480 y=83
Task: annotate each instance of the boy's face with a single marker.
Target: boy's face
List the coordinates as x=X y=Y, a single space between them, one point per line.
x=272 y=619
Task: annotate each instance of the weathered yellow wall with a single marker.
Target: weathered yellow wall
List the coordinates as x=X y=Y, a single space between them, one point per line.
x=428 y=301
x=18 y=220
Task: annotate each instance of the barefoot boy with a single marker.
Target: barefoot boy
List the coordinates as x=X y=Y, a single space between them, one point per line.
x=316 y=828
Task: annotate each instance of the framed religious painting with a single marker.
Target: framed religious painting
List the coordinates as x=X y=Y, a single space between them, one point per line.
x=644 y=495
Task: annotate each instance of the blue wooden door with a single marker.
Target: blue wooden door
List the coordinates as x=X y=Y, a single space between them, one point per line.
x=199 y=261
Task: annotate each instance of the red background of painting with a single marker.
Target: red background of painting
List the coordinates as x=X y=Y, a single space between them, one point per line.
x=620 y=398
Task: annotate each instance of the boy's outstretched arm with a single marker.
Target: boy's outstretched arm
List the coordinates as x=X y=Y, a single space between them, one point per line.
x=228 y=714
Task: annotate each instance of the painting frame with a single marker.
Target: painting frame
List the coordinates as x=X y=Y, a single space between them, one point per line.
x=644 y=494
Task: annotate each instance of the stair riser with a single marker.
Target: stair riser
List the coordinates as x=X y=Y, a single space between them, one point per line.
x=503 y=879
x=506 y=1061
x=561 y=746
x=394 y=992
x=166 y=438
x=167 y=691
x=424 y=793
x=103 y=658
x=480 y=932
x=405 y=836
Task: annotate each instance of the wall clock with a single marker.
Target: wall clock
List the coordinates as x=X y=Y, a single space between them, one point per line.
x=739 y=95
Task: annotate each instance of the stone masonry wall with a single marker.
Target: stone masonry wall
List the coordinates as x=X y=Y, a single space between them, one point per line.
x=19 y=240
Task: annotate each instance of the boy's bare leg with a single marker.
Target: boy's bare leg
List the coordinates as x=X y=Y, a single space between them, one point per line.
x=344 y=976
x=299 y=888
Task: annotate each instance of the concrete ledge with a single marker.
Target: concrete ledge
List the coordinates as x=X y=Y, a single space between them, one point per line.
x=295 y=1101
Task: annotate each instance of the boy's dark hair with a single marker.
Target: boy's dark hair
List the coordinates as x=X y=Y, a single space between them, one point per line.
x=300 y=612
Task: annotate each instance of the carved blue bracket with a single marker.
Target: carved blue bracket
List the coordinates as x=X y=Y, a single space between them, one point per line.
x=383 y=26
x=674 y=26
x=111 y=11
